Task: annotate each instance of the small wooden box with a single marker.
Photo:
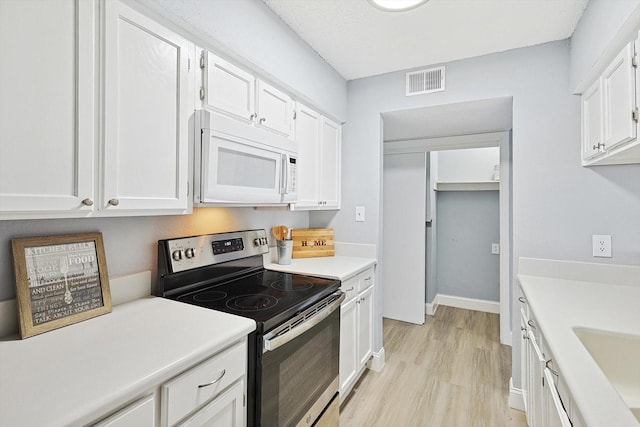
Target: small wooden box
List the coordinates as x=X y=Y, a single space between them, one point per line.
x=312 y=242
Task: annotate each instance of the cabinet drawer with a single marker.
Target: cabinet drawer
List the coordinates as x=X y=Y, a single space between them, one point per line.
x=141 y=413
x=350 y=288
x=365 y=280
x=197 y=386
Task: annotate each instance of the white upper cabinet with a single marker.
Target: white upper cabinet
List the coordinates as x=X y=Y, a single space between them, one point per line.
x=231 y=90
x=308 y=137
x=275 y=109
x=610 y=114
x=146 y=113
x=47 y=107
x=319 y=144
x=330 y=147
x=592 y=121
x=227 y=88
x=619 y=99
x=95 y=122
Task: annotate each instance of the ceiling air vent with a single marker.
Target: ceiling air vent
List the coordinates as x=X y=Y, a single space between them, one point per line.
x=425 y=81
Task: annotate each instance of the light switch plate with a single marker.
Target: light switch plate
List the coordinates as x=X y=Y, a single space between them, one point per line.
x=495 y=248
x=359 y=213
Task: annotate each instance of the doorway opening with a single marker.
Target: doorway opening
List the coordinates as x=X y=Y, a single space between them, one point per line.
x=417 y=143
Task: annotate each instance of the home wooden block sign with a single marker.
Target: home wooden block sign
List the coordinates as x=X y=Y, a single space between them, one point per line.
x=312 y=242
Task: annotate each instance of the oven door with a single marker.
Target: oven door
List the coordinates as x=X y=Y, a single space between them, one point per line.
x=300 y=368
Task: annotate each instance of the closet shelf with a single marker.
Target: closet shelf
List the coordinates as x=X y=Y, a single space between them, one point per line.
x=467 y=186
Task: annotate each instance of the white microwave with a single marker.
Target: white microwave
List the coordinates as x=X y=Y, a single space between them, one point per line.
x=237 y=164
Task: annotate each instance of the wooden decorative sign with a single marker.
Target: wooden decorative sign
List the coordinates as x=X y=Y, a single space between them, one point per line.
x=312 y=242
x=60 y=280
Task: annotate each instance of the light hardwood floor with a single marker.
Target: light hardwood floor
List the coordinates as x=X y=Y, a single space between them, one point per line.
x=450 y=372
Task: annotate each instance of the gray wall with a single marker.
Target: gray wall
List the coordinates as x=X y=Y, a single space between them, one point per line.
x=130 y=243
x=557 y=203
x=468 y=223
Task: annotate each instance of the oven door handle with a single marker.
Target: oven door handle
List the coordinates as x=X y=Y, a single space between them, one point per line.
x=280 y=339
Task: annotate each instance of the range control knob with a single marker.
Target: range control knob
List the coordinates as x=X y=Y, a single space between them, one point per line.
x=177 y=255
x=190 y=252
x=258 y=241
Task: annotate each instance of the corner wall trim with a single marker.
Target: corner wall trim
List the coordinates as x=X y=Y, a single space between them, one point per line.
x=516 y=400
x=377 y=360
x=462 y=302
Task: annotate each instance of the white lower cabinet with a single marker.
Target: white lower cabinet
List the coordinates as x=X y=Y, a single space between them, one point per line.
x=546 y=402
x=356 y=329
x=227 y=410
x=140 y=413
x=211 y=394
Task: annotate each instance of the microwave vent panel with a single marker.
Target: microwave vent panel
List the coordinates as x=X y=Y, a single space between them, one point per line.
x=425 y=81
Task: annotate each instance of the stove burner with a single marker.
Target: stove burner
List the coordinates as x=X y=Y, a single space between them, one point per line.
x=209 y=296
x=288 y=285
x=252 y=302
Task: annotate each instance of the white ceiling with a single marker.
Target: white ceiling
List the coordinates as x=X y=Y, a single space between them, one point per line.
x=359 y=40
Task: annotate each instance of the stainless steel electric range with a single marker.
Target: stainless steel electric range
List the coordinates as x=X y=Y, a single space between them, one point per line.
x=294 y=352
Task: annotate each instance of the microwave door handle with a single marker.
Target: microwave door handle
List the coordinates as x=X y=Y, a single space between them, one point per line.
x=284 y=175
x=271 y=344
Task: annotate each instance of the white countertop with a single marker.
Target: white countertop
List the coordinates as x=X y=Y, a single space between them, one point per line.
x=62 y=376
x=335 y=267
x=573 y=299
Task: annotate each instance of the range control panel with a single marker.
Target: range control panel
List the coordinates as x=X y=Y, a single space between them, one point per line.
x=198 y=251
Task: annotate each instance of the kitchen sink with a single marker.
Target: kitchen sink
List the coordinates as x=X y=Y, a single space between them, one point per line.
x=618 y=356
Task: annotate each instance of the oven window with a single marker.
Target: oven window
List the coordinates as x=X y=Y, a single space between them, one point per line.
x=298 y=373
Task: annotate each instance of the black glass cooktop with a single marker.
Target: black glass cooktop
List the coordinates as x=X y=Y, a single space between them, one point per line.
x=268 y=297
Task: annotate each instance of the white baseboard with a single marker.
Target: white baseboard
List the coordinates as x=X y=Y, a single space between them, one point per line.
x=431 y=307
x=462 y=302
x=516 y=400
x=377 y=360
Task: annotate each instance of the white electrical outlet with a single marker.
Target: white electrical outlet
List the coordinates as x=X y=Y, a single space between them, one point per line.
x=359 y=213
x=601 y=246
x=495 y=248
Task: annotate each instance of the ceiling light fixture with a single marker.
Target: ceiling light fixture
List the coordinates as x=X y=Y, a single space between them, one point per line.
x=397 y=5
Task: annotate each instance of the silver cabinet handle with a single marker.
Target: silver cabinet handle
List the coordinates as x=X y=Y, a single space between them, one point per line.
x=224 y=371
x=252 y=117
x=530 y=323
x=349 y=290
x=262 y=120
x=598 y=146
x=522 y=300
x=553 y=371
x=114 y=202
x=87 y=202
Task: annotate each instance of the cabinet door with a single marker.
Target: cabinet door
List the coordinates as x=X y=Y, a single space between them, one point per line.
x=146 y=114
x=228 y=88
x=226 y=410
x=330 y=164
x=275 y=109
x=536 y=363
x=308 y=139
x=47 y=106
x=139 y=414
x=348 y=347
x=524 y=361
x=555 y=415
x=618 y=95
x=365 y=326
x=592 y=122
